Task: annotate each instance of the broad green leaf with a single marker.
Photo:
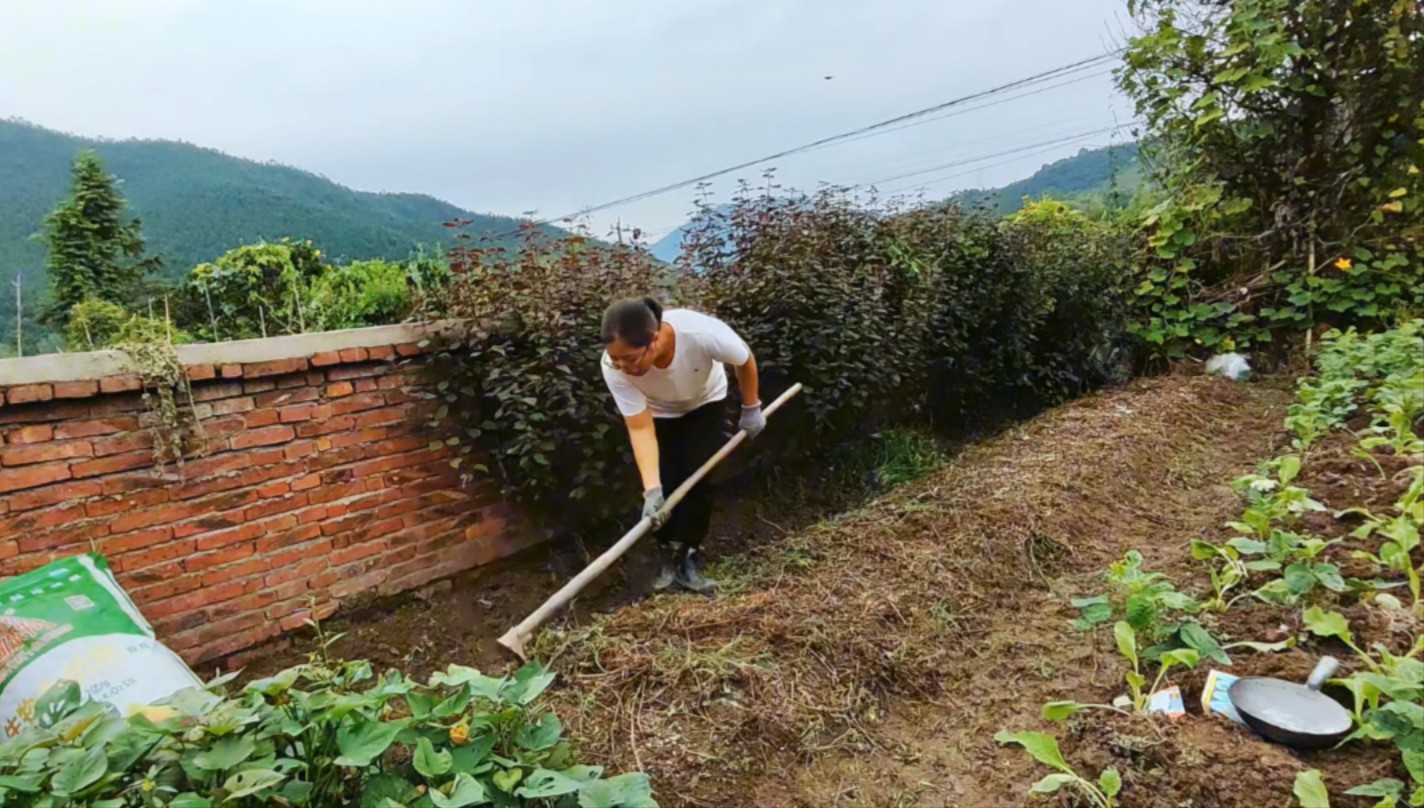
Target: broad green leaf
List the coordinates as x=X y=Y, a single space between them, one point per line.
x=1196 y=637
x=1182 y=657
x=528 y=684
x=1061 y=710
x=543 y=784
x=383 y=787
x=25 y=785
x=429 y=762
x=466 y=791
x=1043 y=747
x=1126 y=640
x=249 y=782
x=506 y=780
x=541 y=736
x=1288 y=469
x=1051 y=783
x=1263 y=647
x=1110 y=782
x=81 y=772
x=274 y=685
x=632 y=790
x=364 y=741
x=1310 y=790
x=1329 y=576
x=1389 y=790
x=1327 y=624
x=190 y=800
x=421 y=704
x=225 y=753
x=1204 y=550
x=481 y=686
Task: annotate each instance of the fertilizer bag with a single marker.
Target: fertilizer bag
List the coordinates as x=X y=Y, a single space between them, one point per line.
x=70 y=621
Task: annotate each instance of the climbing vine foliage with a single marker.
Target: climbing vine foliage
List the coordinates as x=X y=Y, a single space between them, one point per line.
x=1288 y=139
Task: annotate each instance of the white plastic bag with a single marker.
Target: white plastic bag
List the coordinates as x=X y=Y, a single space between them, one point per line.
x=71 y=621
x=1232 y=366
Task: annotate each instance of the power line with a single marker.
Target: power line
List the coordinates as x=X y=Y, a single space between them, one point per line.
x=956 y=163
x=826 y=141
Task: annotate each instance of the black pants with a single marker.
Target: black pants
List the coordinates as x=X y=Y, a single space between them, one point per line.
x=684 y=444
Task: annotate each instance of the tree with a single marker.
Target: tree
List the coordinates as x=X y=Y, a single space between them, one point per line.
x=1288 y=136
x=94 y=251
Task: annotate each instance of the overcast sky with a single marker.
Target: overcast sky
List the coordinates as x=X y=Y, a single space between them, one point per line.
x=554 y=105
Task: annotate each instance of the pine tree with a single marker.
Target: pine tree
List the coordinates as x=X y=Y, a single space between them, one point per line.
x=93 y=252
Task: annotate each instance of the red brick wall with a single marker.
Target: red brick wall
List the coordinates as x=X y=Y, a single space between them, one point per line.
x=315 y=477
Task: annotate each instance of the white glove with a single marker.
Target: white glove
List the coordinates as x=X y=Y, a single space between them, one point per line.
x=753 y=420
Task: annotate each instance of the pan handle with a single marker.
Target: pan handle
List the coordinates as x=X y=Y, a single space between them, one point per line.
x=1324 y=669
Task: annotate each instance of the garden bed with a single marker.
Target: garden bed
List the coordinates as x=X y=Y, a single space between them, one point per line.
x=869 y=658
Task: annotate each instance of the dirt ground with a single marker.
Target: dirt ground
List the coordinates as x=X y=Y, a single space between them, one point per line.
x=868 y=658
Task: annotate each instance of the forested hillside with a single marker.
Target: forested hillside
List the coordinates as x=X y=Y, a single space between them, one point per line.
x=198 y=203
x=1089 y=173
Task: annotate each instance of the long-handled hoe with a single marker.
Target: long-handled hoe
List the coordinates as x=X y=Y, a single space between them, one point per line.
x=513 y=640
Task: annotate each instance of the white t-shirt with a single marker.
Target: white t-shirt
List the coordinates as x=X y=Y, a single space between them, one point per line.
x=694 y=378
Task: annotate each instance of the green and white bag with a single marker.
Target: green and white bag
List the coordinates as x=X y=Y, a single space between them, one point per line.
x=70 y=620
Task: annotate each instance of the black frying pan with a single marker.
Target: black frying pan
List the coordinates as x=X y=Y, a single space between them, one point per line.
x=1298 y=716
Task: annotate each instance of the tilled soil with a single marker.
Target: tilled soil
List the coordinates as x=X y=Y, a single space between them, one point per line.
x=869 y=658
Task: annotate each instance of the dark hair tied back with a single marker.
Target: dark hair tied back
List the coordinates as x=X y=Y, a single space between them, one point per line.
x=634 y=320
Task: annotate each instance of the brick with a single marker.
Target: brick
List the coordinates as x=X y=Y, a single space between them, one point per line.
x=266 y=436
x=311 y=429
x=176 y=585
x=275 y=368
x=79 y=389
x=382 y=353
x=383 y=417
x=276 y=489
x=259 y=385
x=261 y=474
x=231 y=371
x=116 y=444
x=228 y=406
x=288 y=539
x=112 y=463
x=228 y=564
x=291 y=380
x=134 y=481
x=326 y=358
x=391 y=382
x=272 y=507
x=158 y=573
x=283 y=560
x=298 y=449
x=19 y=479
x=129 y=542
x=315 y=379
x=365 y=437
x=199 y=373
x=166 y=551
x=366 y=385
x=70 y=534
x=298 y=412
x=51 y=412
x=114 y=404
x=26 y=454
x=231 y=642
x=409 y=349
x=215 y=391
x=339 y=390
x=327 y=491
x=29 y=393
x=306 y=483
x=347 y=372
x=35 y=433
x=346 y=524
x=95 y=427
x=246 y=532
x=41 y=518
x=358 y=552
x=123 y=383
x=357 y=403
x=281 y=398
x=260 y=418
x=49 y=495
x=139 y=501
x=197 y=599
x=353 y=355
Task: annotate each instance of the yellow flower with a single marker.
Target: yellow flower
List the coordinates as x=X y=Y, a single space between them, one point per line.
x=1343 y=263
x=459 y=735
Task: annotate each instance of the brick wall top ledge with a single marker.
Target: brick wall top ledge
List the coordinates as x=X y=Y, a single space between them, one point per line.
x=100 y=365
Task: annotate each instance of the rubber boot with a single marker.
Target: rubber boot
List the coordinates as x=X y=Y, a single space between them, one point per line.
x=667 y=567
x=689 y=574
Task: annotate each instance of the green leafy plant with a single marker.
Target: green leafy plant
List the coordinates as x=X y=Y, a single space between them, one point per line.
x=1310 y=790
x=1352 y=368
x=1044 y=749
x=1298 y=559
x=329 y=732
x=1226 y=569
x=1389 y=790
x=1401 y=531
x=1126 y=640
x=1152 y=606
x=1333 y=624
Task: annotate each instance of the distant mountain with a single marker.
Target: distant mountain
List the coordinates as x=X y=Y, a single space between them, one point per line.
x=197 y=203
x=1090 y=171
